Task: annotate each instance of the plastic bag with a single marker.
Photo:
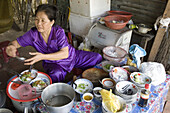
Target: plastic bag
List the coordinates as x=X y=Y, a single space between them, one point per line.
x=154 y=70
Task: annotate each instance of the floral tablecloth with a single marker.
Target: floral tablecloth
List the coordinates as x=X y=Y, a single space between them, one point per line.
x=155 y=103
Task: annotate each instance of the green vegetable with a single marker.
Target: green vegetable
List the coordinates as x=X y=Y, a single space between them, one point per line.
x=82 y=86
x=107 y=66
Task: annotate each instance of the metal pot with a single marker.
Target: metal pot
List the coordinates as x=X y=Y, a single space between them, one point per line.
x=2 y=98
x=58 y=97
x=142 y=28
x=24 y=107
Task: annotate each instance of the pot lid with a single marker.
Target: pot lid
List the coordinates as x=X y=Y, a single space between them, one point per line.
x=2 y=98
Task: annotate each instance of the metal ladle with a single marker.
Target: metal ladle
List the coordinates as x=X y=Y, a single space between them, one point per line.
x=20 y=58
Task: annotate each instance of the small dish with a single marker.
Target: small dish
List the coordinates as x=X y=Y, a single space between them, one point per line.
x=96 y=92
x=26 y=76
x=140 y=79
x=87 y=97
x=82 y=86
x=108 y=83
x=39 y=83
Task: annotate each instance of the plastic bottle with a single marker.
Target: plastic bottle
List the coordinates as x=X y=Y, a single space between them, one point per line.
x=144 y=96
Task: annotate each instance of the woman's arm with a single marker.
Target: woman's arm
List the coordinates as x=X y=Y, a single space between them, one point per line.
x=11 y=49
x=62 y=54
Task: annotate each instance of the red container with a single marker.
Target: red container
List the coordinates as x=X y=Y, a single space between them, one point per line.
x=120 y=13
x=109 y=22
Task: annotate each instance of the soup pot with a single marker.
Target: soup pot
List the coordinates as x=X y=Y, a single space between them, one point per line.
x=142 y=28
x=58 y=97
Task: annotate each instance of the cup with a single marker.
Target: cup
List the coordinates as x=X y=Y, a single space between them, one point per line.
x=87 y=97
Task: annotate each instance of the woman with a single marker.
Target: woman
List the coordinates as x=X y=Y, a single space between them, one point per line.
x=52 y=47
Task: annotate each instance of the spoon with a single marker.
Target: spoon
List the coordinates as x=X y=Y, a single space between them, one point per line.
x=31 y=66
x=20 y=58
x=17 y=82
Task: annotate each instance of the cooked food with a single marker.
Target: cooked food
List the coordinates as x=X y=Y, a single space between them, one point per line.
x=107 y=66
x=39 y=84
x=14 y=86
x=110 y=100
x=137 y=78
x=27 y=76
x=82 y=87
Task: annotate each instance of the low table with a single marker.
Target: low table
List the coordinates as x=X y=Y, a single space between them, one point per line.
x=155 y=103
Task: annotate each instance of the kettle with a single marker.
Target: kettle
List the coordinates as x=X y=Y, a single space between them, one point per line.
x=142 y=28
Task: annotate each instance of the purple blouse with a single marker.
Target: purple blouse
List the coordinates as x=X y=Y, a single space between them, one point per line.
x=56 y=41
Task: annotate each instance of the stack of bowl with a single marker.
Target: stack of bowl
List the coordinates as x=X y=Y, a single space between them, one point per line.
x=127 y=90
x=116 y=54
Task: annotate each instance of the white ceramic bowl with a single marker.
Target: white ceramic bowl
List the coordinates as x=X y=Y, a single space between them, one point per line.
x=82 y=86
x=96 y=92
x=127 y=90
x=87 y=97
x=119 y=74
x=140 y=79
x=34 y=74
x=38 y=86
x=122 y=109
x=108 y=83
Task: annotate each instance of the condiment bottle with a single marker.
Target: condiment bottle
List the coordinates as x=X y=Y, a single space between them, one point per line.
x=144 y=96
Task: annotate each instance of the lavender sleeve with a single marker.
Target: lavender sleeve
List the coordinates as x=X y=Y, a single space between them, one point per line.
x=62 y=39
x=26 y=39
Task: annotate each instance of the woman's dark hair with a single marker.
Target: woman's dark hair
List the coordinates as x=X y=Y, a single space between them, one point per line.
x=50 y=11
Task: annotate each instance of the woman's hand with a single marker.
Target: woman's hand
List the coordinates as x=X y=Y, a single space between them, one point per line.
x=36 y=58
x=11 y=50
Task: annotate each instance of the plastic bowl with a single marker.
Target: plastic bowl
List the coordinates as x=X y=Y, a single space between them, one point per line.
x=114 y=53
x=117 y=26
x=120 y=13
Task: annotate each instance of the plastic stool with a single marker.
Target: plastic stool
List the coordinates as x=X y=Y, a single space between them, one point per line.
x=3 y=46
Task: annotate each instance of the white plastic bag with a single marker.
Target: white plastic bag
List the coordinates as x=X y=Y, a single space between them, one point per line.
x=154 y=70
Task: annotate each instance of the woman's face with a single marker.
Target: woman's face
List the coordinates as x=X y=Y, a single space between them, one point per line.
x=42 y=23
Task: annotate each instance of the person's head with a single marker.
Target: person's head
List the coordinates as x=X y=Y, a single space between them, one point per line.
x=46 y=15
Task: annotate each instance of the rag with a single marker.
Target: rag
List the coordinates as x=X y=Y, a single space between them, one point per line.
x=137 y=52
